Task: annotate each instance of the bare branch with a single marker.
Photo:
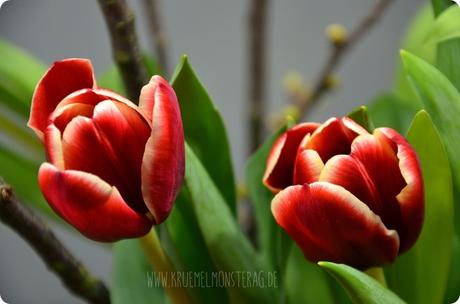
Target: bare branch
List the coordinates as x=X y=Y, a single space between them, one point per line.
x=126 y=52
x=257 y=72
x=59 y=260
x=159 y=38
x=337 y=54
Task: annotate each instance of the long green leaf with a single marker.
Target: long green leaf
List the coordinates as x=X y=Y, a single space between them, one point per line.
x=446 y=26
x=204 y=129
x=420 y=275
x=228 y=247
x=442 y=101
x=133 y=279
x=190 y=248
x=19 y=73
x=361 y=288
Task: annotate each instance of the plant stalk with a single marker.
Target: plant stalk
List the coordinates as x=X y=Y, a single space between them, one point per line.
x=378 y=274
x=162 y=264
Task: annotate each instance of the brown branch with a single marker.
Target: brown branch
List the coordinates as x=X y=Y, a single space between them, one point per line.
x=59 y=260
x=159 y=38
x=257 y=71
x=339 y=50
x=126 y=52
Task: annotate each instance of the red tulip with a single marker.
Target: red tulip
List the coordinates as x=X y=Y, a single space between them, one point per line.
x=113 y=168
x=345 y=195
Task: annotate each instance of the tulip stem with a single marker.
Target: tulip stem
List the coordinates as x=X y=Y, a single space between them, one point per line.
x=162 y=264
x=378 y=274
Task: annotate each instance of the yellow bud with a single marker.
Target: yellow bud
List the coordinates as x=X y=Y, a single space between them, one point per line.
x=337 y=33
x=293 y=82
x=291 y=112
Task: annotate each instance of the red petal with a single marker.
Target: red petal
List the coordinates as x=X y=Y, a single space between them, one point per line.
x=348 y=172
x=308 y=167
x=147 y=97
x=163 y=163
x=63 y=78
x=53 y=146
x=329 y=223
x=334 y=137
x=280 y=162
x=378 y=157
x=115 y=138
x=90 y=205
x=411 y=198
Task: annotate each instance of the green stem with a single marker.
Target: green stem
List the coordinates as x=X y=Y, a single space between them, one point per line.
x=162 y=264
x=378 y=274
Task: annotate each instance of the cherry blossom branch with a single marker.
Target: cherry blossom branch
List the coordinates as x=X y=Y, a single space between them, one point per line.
x=336 y=55
x=159 y=38
x=125 y=47
x=56 y=256
x=257 y=71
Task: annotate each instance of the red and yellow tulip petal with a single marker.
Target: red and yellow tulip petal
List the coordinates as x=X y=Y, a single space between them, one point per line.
x=378 y=157
x=348 y=172
x=91 y=205
x=329 y=223
x=334 y=137
x=115 y=142
x=148 y=94
x=63 y=78
x=411 y=198
x=53 y=147
x=163 y=164
x=280 y=162
x=308 y=167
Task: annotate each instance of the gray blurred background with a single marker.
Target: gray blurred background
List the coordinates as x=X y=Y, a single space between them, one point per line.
x=213 y=34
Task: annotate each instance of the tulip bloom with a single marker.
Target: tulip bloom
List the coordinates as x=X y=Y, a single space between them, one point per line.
x=345 y=195
x=113 y=168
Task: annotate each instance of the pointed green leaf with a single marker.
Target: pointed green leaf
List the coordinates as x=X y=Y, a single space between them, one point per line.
x=446 y=26
x=442 y=101
x=204 y=129
x=133 y=280
x=227 y=245
x=361 y=116
x=361 y=288
x=420 y=275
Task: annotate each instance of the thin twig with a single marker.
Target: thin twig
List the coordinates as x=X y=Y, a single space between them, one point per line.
x=126 y=52
x=337 y=54
x=58 y=258
x=159 y=38
x=257 y=71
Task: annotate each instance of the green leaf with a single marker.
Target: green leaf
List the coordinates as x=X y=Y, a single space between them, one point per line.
x=19 y=73
x=227 y=245
x=388 y=110
x=421 y=275
x=453 y=289
x=204 y=129
x=361 y=288
x=131 y=276
x=442 y=101
x=111 y=79
x=189 y=248
x=261 y=198
x=361 y=116
x=440 y=5
x=305 y=282
x=446 y=26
